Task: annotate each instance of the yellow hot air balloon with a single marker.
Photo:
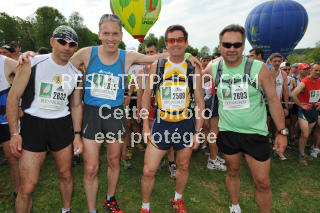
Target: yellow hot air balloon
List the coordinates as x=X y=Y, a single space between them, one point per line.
x=137 y=16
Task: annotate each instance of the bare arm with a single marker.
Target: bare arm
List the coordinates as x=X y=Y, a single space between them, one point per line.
x=207 y=73
x=268 y=84
x=140 y=92
x=146 y=100
x=296 y=92
x=285 y=89
x=19 y=84
x=198 y=95
x=10 y=69
x=76 y=112
x=81 y=58
x=138 y=58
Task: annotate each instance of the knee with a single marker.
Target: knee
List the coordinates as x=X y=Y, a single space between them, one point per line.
x=304 y=135
x=148 y=172
x=262 y=184
x=233 y=172
x=26 y=189
x=65 y=174
x=114 y=162
x=183 y=167
x=91 y=170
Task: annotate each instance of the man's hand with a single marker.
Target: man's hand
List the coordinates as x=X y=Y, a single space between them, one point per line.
x=196 y=141
x=194 y=61
x=24 y=58
x=77 y=145
x=280 y=144
x=16 y=145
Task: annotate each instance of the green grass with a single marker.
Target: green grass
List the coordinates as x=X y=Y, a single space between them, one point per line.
x=295 y=188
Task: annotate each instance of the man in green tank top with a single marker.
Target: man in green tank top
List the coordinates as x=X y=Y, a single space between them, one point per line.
x=242 y=112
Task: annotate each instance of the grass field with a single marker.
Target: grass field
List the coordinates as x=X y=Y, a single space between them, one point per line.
x=295 y=188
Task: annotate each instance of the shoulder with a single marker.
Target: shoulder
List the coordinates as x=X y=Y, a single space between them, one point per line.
x=38 y=59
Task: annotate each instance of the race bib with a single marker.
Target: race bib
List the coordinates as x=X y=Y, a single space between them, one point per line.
x=52 y=96
x=105 y=86
x=236 y=97
x=173 y=97
x=314 y=96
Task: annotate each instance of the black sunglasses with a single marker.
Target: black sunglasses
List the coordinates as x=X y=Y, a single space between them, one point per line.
x=286 y=69
x=229 y=45
x=64 y=42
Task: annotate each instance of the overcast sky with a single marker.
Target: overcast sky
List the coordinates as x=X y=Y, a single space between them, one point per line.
x=203 y=19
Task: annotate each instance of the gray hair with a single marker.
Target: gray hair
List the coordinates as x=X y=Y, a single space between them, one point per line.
x=111 y=18
x=234 y=28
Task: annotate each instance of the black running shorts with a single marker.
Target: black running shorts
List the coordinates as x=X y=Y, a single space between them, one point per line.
x=39 y=134
x=103 y=123
x=255 y=145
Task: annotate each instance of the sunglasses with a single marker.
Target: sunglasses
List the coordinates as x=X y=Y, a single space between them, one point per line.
x=286 y=69
x=179 y=40
x=229 y=45
x=64 y=42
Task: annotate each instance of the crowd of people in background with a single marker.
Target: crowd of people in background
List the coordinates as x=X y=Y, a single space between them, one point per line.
x=282 y=102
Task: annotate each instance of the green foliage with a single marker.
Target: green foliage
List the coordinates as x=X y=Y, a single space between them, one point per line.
x=122 y=45
x=35 y=31
x=47 y=19
x=307 y=56
x=205 y=50
x=193 y=51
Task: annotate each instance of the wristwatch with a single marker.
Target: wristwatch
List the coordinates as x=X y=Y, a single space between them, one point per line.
x=284 y=131
x=77 y=133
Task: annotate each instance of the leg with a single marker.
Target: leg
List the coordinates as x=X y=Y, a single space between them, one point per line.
x=91 y=166
x=305 y=131
x=152 y=160
x=182 y=175
x=170 y=154
x=113 y=156
x=14 y=166
x=63 y=160
x=317 y=135
x=213 y=146
x=260 y=173
x=233 y=176
x=29 y=168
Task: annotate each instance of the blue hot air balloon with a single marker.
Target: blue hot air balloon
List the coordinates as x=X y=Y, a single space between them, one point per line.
x=276 y=26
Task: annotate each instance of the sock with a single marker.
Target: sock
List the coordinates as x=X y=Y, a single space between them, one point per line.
x=109 y=197
x=301 y=153
x=123 y=156
x=213 y=159
x=93 y=211
x=65 y=210
x=146 y=206
x=177 y=196
x=236 y=206
x=171 y=163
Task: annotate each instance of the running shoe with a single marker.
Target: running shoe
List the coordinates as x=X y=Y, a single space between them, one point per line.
x=235 y=209
x=314 y=153
x=141 y=210
x=216 y=164
x=179 y=206
x=173 y=171
x=221 y=159
x=112 y=205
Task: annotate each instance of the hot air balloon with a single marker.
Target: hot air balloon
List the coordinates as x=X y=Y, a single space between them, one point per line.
x=137 y=16
x=276 y=26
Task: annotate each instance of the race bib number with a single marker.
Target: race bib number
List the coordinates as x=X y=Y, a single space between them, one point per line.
x=105 y=86
x=52 y=96
x=236 y=97
x=314 y=96
x=173 y=97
